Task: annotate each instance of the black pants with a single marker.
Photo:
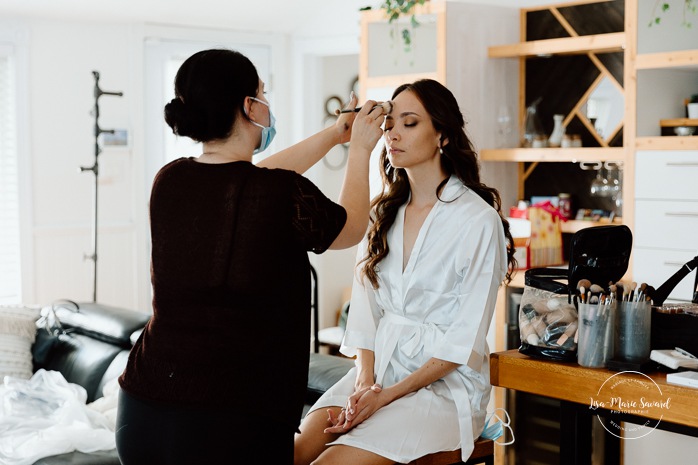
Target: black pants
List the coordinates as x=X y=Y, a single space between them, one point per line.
x=148 y=433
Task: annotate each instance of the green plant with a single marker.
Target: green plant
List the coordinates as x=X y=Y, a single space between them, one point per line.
x=396 y=8
x=689 y=6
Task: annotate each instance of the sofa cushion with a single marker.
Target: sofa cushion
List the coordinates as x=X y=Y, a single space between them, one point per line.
x=116 y=367
x=17 y=333
x=110 y=324
x=323 y=372
x=80 y=358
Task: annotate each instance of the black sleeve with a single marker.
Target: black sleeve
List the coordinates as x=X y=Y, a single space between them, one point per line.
x=316 y=220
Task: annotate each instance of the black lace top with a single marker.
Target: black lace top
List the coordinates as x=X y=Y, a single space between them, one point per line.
x=231 y=288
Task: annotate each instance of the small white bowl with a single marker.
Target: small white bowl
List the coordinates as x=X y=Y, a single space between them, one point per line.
x=684 y=130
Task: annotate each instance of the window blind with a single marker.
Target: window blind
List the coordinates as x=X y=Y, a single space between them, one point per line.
x=10 y=264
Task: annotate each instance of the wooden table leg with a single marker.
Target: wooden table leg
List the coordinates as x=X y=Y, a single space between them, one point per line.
x=575 y=434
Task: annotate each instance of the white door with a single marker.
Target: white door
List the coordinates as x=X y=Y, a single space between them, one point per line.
x=162 y=60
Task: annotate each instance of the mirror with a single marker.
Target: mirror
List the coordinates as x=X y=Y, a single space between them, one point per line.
x=604 y=109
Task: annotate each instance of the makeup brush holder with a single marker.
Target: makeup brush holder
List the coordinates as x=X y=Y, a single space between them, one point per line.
x=633 y=331
x=595 y=344
x=549 y=314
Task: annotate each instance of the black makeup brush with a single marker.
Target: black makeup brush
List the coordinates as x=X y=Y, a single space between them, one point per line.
x=387 y=108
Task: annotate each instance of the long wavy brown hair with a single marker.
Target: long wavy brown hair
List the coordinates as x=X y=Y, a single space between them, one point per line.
x=458 y=158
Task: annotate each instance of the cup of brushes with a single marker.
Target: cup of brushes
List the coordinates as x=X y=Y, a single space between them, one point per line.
x=614 y=325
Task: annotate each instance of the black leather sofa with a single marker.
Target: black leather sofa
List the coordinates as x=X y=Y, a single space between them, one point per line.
x=91 y=351
x=94 y=351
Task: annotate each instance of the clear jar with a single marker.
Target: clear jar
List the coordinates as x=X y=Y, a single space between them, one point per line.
x=565 y=205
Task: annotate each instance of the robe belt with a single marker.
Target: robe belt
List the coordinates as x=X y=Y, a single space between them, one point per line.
x=415 y=333
x=412 y=332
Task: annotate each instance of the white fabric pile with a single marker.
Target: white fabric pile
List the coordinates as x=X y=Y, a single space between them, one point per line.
x=46 y=415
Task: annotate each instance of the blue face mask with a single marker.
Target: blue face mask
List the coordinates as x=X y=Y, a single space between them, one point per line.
x=268 y=133
x=495 y=429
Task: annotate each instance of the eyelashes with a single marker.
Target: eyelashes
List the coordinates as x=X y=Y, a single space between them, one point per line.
x=410 y=125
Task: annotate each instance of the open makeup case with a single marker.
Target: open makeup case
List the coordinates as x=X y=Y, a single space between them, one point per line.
x=548 y=312
x=676 y=324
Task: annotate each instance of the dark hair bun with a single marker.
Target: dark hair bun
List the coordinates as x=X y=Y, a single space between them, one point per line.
x=181 y=119
x=210 y=89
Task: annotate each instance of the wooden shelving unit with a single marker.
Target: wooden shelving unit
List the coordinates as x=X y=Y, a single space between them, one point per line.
x=653 y=85
x=667 y=143
x=366 y=76
x=677 y=59
x=562 y=32
x=588 y=154
x=672 y=123
x=579 y=45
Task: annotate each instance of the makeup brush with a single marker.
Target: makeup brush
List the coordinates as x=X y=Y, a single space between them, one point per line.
x=619 y=291
x=582 y=286
x=612 y=295
x=596 y=292
x=596 y=289
x=633 y=286
x=387 y=108
x=640 y=296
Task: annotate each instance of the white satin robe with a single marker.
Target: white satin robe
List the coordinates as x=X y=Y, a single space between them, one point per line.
x=440 y=306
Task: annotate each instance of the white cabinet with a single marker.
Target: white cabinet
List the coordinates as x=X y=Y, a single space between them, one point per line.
x=669 y=175
x=665 y=72
x=666 y=217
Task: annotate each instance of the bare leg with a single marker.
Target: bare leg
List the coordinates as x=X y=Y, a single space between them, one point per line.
x=312 y=440
x=311 y=444
x=347 y=455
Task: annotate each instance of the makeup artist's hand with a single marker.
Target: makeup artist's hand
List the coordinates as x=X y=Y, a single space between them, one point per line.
x=345 y=120
x=366 y=130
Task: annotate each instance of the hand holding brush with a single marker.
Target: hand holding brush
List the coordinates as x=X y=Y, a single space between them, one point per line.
x=387 y=107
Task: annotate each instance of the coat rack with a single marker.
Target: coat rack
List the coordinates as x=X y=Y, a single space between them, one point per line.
x=95 y=170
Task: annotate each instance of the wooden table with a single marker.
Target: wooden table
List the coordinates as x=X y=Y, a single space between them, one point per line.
x=618 y=397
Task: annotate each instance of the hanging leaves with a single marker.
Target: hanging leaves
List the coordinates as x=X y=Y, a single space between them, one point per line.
x=396 y=8
x=689 y=6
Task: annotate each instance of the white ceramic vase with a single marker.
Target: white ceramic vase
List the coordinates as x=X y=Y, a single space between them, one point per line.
x=555 y=138
x=692 y=110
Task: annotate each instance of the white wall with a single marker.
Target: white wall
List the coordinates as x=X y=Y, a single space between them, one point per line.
x=334 y=267
x=62 y=56
x=325 y=66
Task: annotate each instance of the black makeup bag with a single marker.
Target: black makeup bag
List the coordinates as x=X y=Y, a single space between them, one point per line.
x=675 y=324
x=548 y=312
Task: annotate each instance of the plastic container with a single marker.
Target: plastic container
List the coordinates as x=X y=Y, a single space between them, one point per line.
x=633 y=331
x=595 y=344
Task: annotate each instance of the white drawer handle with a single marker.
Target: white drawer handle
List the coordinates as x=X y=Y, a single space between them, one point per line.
x=674 y=263
x=683 y=214
x=677 y=163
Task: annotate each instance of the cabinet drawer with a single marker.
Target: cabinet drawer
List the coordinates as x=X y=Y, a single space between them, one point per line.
x=666 y=175
x=671 y=225
x=654 y=266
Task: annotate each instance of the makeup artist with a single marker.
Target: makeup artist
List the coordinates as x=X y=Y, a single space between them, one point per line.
x=219 y=374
